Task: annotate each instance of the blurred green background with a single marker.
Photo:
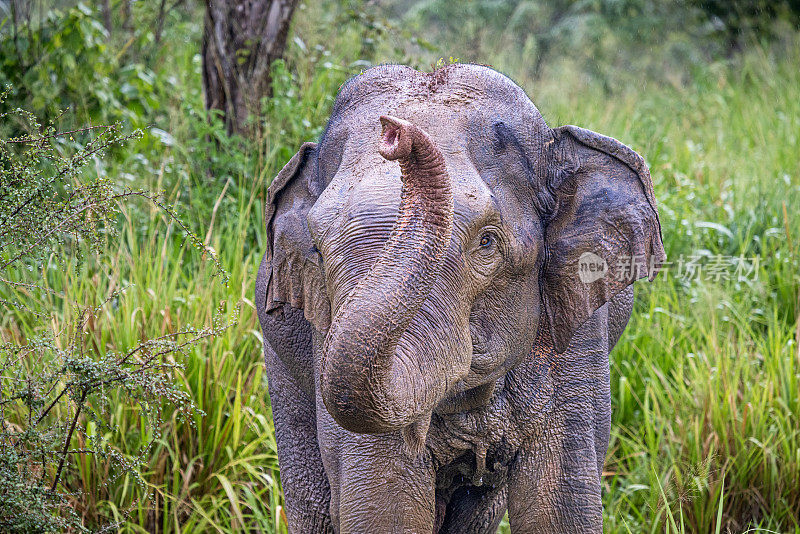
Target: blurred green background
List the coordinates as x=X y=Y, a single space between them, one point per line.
x=706 y=378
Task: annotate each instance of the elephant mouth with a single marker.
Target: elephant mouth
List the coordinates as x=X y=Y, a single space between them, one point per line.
x=484 y=363
x=477 y=388
x=480 y=342
x=480 y=348
x=465 y=398
x=485 y=360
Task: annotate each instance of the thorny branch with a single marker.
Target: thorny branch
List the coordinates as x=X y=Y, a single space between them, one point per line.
x=42 y=200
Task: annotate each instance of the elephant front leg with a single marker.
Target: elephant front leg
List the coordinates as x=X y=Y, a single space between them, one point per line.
x=306 y=489
x=554 y=485
x=375 y=485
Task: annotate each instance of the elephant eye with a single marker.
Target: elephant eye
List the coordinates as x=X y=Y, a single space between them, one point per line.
x=486 y=256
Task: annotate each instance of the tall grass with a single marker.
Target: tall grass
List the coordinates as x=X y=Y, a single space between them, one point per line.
x=705 y=380
x=216 y=470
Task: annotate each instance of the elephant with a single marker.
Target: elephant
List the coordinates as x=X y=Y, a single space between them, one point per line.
x=444 y=278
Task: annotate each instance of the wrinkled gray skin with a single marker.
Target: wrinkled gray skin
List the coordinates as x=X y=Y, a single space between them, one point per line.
x=434 y=356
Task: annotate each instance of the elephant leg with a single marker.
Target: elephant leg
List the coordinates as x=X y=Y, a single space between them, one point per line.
x=376 y=486
x=554 y=484
x=474 y=510
x=306 y=490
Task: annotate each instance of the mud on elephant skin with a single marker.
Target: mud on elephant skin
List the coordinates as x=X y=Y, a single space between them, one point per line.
x=435 y=354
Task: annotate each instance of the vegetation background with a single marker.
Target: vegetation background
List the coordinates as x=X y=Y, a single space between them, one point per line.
x=705 y=380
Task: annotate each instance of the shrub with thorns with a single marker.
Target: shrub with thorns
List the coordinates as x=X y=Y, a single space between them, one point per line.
x=54 y=388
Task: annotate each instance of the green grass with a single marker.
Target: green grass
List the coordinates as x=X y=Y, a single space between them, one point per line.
x=707 y=374
x=217 y=469
x=705 y=380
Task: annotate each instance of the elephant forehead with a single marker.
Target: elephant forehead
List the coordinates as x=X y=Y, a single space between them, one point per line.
x=363 y=201
x=453 y=85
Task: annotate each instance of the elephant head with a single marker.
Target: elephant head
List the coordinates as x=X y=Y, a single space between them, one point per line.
x=440 y=230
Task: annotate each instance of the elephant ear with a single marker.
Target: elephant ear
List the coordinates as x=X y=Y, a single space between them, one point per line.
x=294 y=266
x=603 y=232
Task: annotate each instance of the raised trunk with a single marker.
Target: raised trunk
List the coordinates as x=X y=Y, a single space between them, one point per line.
x=371 y=382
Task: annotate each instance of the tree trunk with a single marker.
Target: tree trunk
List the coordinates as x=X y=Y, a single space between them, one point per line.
x=241 y=40
x=106 y=10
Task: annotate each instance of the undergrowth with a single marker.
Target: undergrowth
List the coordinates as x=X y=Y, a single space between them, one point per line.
x=705 y=380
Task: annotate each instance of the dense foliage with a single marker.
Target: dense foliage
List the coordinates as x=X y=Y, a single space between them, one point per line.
x=58 y=375
x=705 y=378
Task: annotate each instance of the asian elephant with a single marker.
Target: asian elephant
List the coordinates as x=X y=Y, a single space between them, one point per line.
x=444 y=278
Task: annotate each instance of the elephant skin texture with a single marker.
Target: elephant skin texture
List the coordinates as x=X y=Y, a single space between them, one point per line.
x=444 y=278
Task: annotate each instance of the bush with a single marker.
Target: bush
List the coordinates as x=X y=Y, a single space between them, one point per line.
x=64 y=60
x=55 y=386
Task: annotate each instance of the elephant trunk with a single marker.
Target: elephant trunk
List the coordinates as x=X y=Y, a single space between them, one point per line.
x=378 y=375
